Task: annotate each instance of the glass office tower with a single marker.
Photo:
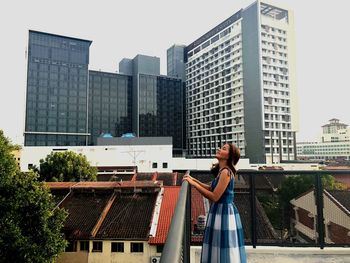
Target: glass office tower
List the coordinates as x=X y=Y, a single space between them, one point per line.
x=160 y=105
x=109 y=104
x=176 y=62
x=57 y=90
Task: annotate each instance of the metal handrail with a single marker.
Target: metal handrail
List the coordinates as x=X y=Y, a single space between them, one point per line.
x=318 y=197
x=177 y=245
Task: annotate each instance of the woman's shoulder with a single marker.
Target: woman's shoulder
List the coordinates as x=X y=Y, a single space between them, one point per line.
x=225 y=170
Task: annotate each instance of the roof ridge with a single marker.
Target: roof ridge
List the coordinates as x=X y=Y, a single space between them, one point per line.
x=341 y=206
x=103 y=215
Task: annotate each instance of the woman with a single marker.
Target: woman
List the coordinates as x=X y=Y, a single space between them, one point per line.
x=223 y=240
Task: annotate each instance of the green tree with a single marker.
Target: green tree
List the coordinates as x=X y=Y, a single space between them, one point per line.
x=31 y=227
x=66 y=166
x=7 y=163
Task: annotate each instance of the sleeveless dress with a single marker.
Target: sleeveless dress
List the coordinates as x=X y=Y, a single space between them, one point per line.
x=223 y=240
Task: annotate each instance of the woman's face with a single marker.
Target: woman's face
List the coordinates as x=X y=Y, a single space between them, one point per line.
x=223 y=153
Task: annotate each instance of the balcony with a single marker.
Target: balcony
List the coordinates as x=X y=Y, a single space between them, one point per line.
x=307 y=210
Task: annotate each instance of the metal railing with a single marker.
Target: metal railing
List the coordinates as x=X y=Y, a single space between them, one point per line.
x=177 y=246
x=178 y=241
x=319 y=203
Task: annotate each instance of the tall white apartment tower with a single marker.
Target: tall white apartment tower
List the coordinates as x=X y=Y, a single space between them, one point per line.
x=241 y=88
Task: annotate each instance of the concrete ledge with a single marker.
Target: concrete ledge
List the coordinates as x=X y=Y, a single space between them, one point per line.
x=288 y=254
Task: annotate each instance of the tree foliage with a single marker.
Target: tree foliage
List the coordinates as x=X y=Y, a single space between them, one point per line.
x=66 y=166
x=31 y=227
x=8 y=165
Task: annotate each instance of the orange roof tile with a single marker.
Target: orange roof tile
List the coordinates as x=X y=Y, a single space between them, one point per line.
x=167 y=209
x=170 y=196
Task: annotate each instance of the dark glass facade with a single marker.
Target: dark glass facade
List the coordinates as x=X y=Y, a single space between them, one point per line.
x=109 y=104
x=68 y=105
x=160 y=104
x=56 y=99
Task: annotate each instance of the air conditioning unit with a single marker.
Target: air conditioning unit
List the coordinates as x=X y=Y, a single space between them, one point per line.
x=155 y=259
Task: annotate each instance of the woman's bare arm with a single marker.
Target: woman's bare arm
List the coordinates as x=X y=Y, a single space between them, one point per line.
x=208 y=187
x=215 y=195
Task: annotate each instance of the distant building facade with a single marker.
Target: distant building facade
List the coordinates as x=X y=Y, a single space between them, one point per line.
x=68 y=105
x=176 y=62
x=241 y=86
x=57 y=90
x=110 y=104
x=158 y=101
x=333 y=144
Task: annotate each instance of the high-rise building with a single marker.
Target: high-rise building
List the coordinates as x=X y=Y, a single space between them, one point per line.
x=109 y=104
x=69 y=105
x=176 y=62
x=160 y=106
x=241 y=88
x=158 y=101
x=57 y=90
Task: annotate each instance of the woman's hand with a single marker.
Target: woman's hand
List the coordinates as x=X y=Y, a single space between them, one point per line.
x=188 y=178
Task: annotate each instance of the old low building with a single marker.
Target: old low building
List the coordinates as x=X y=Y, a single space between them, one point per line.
x=128 y=221
x=336 y=216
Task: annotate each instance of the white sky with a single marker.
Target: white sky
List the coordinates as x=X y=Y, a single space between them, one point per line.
x=121 y=29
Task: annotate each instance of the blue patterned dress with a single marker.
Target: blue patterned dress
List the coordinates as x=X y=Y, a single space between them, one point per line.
x=223 y=240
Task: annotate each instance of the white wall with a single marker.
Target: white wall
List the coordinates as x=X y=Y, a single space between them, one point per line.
x=203 y=164
x=141 y=156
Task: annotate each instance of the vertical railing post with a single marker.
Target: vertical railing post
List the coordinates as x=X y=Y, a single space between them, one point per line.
x=188 y=228
x=319 y=207
x=253 y=209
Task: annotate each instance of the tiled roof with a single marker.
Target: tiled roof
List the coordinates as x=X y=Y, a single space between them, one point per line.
x=84 y=211
x=97 y=210
x=129 y=217
x=205 y=177
x=168 y=205
x=114 y=177
x=59 y=194
x=266 y=182
x=197 y=209
x=104 y=185
x=144 y=176
x=342 y=167
x=344 y=179
x=342 y=196
x=167 y=178
x=179 y=179
x=265 y=230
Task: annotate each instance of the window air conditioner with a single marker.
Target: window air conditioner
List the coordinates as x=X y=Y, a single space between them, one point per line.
x=155 y=259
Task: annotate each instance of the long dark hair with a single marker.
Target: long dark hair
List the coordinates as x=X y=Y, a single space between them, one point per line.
x=233 y=156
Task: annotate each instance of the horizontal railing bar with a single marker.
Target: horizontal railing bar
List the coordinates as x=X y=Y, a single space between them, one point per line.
x=292 y=172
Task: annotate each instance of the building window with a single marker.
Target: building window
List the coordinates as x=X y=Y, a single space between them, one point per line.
x=136 y=247
x=84 y=246
x=117 y=247
x=97 y=246
x=154 y=165
x=160 y=249
x=165 y=165
x=72 y=246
